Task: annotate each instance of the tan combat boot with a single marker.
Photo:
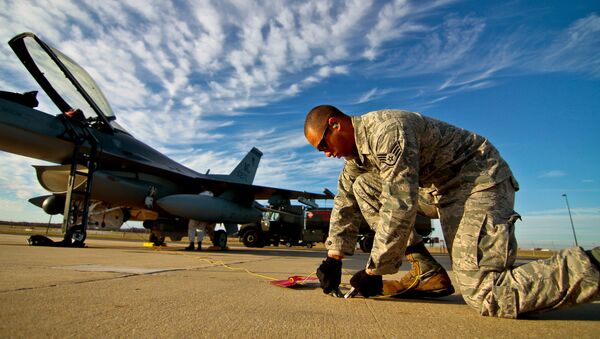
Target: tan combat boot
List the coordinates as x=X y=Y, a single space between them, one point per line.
x=426 y=279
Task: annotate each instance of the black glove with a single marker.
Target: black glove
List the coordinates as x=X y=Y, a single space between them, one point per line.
x=367 y=285
x=330 y=274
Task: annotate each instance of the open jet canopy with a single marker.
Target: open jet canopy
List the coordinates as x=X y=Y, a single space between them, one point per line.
x=67 y=84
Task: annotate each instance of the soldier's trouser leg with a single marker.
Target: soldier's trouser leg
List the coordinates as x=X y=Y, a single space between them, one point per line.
x=483 y=256
x=367 y=189
x=426 y=278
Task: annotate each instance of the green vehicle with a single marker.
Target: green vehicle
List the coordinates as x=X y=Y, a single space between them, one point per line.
x=288 y=225
x=305 y=226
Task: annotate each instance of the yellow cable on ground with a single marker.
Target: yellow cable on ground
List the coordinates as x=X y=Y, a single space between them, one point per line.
x=221 y=263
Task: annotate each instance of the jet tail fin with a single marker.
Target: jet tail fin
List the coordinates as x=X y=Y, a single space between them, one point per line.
x=246 y=170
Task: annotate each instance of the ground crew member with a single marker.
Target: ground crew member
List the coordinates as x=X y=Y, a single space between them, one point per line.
x=399 y=155
x=195 y=228
x=198 y=229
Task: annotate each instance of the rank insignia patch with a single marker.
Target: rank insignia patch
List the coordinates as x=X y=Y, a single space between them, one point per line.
x=392 y=156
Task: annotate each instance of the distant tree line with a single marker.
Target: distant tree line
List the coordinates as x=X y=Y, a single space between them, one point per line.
x=31 y=224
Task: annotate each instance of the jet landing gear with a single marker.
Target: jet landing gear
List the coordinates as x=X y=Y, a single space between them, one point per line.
x=75 y=237
x=157 y=239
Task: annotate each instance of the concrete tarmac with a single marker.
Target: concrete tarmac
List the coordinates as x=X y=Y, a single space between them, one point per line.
x=121 y=289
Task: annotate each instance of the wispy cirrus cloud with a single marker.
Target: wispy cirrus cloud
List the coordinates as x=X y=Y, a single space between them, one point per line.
x=212 y=52
x=553 y=174
x=574 y=50
x=398 y=19
x=186 y=77
x=367 y=96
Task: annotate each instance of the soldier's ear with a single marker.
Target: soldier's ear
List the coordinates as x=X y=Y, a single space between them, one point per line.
x=333 y=123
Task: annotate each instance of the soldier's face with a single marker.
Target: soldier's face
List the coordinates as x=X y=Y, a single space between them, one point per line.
x=336 y=139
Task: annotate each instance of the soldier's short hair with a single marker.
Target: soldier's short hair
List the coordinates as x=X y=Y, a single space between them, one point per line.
x=317 y=117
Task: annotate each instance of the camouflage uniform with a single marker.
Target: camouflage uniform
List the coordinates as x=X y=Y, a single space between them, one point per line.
x=406 y=159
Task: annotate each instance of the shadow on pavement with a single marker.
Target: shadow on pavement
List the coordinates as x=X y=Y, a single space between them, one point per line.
x=455 y=299
x=287 y=252
x=578 y=312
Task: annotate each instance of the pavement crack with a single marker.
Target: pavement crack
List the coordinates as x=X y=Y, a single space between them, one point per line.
x=70 y=283
x=379 y=325
x=212 y=263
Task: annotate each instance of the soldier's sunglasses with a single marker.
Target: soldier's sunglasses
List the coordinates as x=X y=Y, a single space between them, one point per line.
x=322 y=146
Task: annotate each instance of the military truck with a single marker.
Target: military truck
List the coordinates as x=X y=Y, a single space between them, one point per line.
x=288 y=225
x=304 y=226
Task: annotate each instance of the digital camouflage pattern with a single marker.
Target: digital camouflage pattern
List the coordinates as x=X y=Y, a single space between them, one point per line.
x=389 y=144
x=483 y=255
x=407 y=160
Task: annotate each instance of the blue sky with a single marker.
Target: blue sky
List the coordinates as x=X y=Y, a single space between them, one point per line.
x=204 y=81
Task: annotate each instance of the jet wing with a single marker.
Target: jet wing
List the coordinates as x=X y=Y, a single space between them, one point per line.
x=264 y=192
x=258 y=192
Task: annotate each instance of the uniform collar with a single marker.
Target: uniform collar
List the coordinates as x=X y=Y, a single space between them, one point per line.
x=360 y=137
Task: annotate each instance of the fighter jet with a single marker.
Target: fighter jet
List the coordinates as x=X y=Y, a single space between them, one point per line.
x=105 y=175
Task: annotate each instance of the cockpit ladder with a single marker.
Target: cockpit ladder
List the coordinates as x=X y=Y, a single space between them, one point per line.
x=78 y=198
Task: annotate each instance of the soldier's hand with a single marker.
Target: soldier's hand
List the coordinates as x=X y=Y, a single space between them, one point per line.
x=330 y=274
x=367 y=285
